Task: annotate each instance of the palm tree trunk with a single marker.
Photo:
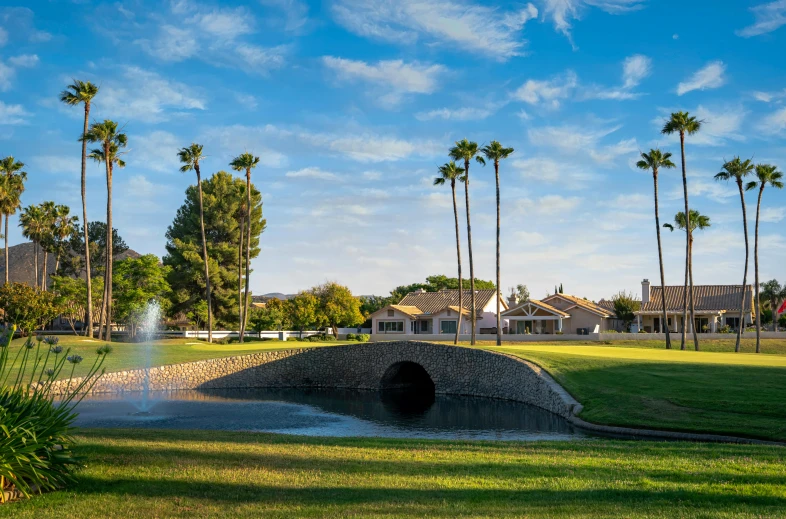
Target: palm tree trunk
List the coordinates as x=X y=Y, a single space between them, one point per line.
x=665 y=322
x=499 y=319
x=248 y=254
x=35 y=246
x=57 y=262
x=240 y=274
x=89 y=279
x=756 y=275
x=471 y=262
x=745 y=272
x=7 y=216
x=204 y=257
x=109 y=247
x=692 y=299
x=458 y=256
x=687 y=244
x=44 y=270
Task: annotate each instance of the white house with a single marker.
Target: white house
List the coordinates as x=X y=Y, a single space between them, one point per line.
x=559 y=313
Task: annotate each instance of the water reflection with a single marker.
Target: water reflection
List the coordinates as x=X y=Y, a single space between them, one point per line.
x=332 y=412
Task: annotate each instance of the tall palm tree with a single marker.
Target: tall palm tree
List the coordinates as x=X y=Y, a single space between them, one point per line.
x=83 y=92
x=450 y=173
x=690 y=224
x=496 y=152
x=47 y=238
x=466 y=150
x=33 y=222
x=64 y=225
x=654 y=160
x=190 y=158
x=13 y=187
x=738 y=169
x=111 y=140
x=766 y=174
x=241 y=219
x=683 y=123
x=246 y=162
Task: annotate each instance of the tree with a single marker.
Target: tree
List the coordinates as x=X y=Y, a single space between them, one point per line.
x=434 y=284
x=496 y=152
x=521 y=293
x=33 y=224
x=695 y=221
x=12 y=186
x=198 y=313
x=625 y=308
x=184 y=240
x=466 y=150
x=782 y=321
x=337 y=306
x=766 y=174
x=450 y=173
x=63 y=227
x=137 y=282
x=774 y=293
x=83 y=92
x=27 y=307
x=275 y=315
x=683 y=123
x=190 y=158
x=370 y=304
x=70 y=298
x=654 y=160
x=47 y=237
x=246 y=162
x=303 y=311
x=111 y=140
x=738 y=169
x=72 y=262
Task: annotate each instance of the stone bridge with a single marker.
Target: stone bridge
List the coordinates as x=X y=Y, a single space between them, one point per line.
x=371 y=366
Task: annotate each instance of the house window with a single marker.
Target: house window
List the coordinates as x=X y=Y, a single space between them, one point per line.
x=423 y=326
x=390 y=326
x=447 y=327
x=733 y=322
x=390 y=313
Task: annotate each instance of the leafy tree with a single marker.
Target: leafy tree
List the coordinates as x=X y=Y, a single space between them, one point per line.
x=370 y=304
x=73 y=263
x=466 y=151
x=12 y=185
x=766 y=174
x=27 y=307
x=450 y=173
x=35 y=224
x=521 y=293
x=83 y=92
x=774 y=293
x=137 y=282
x=221 y=202
x=303 y=311
x=337 y=306
x=683 y=123
x=70 y=298
x=654 y=160
x=275 y=315
x=782 y=321
x=738 y=169
x=198 y=313
x=625 y=306
x=434 y=284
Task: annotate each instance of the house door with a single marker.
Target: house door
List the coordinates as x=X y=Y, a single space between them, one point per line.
x=523 y=327
x=702 y=324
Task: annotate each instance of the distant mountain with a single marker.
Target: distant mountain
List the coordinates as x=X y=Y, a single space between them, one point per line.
x=21 y=263
x=272 y=295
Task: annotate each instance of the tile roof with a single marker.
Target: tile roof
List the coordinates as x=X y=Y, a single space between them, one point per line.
x=707 y=298
x=433 y=302
x=540 y=304
x=411 y=311
x=606 y=304
x=584 y=303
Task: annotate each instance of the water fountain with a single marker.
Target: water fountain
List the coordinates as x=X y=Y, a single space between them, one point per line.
x=149 y=330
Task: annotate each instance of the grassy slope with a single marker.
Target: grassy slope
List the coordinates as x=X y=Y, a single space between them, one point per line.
x=723 y=393
x=218 y=474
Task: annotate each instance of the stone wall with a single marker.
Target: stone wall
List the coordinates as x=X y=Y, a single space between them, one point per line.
x=454 y=370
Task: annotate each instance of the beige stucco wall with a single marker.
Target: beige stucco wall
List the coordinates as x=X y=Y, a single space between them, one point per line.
x=580 y=318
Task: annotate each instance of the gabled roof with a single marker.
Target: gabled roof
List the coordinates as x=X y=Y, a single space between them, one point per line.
x=583 y=303
x=706 y=298
x=409 y=311
x=434 y=302
x=537 y=304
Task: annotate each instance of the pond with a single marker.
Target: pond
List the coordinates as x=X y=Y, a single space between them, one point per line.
x=328 y=412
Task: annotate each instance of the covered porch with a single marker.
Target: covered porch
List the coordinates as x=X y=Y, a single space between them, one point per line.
x=535 y=317
x=705 y=322
x=445 y=321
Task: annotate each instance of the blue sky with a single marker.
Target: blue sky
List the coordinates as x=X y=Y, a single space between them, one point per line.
x=352 y=105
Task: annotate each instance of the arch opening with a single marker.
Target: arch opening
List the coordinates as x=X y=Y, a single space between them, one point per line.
x=406 y=389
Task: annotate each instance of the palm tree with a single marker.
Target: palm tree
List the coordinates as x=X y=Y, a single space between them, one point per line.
x=106 y=134
x=694 y=221
x=774 y=293
x=451 y=173
x=241 y=219
x=33 y=221
x=466 y=150
x=495 y=152
x=12 y=189
x=654 y=160
x=246 y=161
x=766 y=174
x=738 y=170
x=47 y=238
x=190 y=158
x=83 y=92
x=682 y=123
x=64 y=225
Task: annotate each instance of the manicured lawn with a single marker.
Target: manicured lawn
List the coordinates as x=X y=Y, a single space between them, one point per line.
x=220 y=474
x=722 y=393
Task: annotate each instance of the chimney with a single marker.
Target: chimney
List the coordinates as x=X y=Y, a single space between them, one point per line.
x=645 y=291
x=512 y=301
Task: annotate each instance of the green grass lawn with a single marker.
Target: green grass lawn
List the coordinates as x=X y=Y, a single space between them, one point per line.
x=135 y=474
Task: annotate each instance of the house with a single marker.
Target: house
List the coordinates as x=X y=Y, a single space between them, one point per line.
x=422 y=312
x=715 y=306
x=559 y=313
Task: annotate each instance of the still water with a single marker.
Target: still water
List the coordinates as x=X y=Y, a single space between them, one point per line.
x=329 y=412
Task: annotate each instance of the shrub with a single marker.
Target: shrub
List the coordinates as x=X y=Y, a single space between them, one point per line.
x=26 y=307
x=362 y=337
x=351 y=337
x=642 y=331
x=724 y=329
x=328 y=338
x=36 y=424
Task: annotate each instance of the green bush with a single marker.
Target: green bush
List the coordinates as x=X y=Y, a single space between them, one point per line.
x=362 y=337
x=351 y=337
x=328 y=338
x=36 y=424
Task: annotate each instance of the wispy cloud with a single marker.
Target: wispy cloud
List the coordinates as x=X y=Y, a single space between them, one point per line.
x=768 y=17
x=548 y=93
x=708 y=77
x=775 y=123
x=562 y=12
x=634 y=70
x=24 y=60
x=720 y=124
x=467 y=113
x=313 y=173
x=12 y=114
x=295 y=13
x=470 y=26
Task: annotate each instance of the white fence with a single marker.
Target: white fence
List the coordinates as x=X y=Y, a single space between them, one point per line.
x=222 y=334
x=594 y=337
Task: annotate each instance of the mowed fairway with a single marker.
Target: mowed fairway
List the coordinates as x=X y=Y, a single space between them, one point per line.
x=244 y=475
x=723 y=393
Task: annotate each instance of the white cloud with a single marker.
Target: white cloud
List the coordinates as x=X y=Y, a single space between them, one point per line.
x=774 y=123
x=295 y=13
x=58 y=164
x=7 y=74
x=719 y=125
x=172 y=44
x=457 y=114
x=562 y=11
x=312 y=173
x=710 y=76
x=531 y=239
x=156 y=151
x=549 y=205
x=394 y=77
x=3 y=36
x=372 y=175
x=140 y=186
x=634 y=69
x=568 y=138
x=773 y=214
x=262 y=59
x=469 y=26
x=707 y=188
x=568 y=175
x=12 y=114
x=549 y=92
x=631 y=201
x=769 y=17
x=225 y=24
x=247 y=101
x=24 y=60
